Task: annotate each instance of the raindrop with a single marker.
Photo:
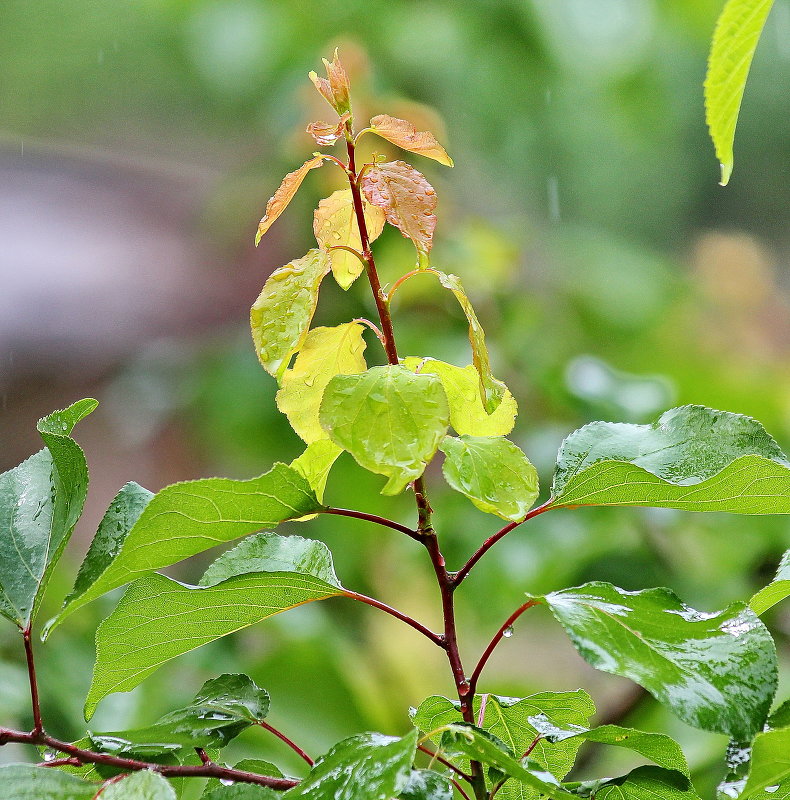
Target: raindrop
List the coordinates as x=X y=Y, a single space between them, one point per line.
x=553 y=192
x=508 y=632
x=226 y=781
x=50 y=755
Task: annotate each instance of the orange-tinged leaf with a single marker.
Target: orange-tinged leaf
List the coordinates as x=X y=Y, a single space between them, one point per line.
x=402 y=133
x=325 y=133
x=407 y=198
x=284 y=194
x=335 y=223
x=334 y=88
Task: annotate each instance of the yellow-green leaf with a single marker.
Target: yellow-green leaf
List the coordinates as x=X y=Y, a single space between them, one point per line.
x=462 y=386
x=281 y=315
x=314 y=466
x=734 y=42
x=402 y=133
x=335 y=224
x=284 y=194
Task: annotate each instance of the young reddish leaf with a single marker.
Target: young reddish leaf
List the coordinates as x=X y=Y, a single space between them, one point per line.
x=402 y=133
x=335 y=223
x=334 y=88
x=325 y=133
x=284 y=194
x=407 y=198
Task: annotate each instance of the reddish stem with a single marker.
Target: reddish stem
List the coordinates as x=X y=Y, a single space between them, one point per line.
x=387 y=523
x=38 y=726
x=280 y=735
x=393 y=612
x=436 y=757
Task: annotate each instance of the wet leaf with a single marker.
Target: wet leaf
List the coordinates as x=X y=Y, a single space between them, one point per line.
x=281 y=316
x=222 y=709
x=403 y=134
x=425 y=784
x=368 y=766
x=462 y=387
x=492 y=391
x=314 y=466
x=187 y=518
x=142 y=785
x=334 y=88
x=241 y=791
x=646 y=783
x=406 y=197
x=770 y=763
x=715 y=671
x=335 y=225
x=693 y=458
x=278 y=202
x=327 y=133
x=159 y=618
x=326 y=352
x=776 y=591
x=389 y=419
x=40 y=503
x=734 y=42
x=492 y=472
x=26 y=782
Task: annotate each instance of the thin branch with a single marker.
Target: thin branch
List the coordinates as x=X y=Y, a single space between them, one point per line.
x=374 y=328
x=403 y=278
x=492 y=540
x=387 y=523
x=436 y=757
x=203 y=755
x=334 y=160
x=62 y=762
x=351 y=250
x=38 y=726
x=393 y=612
x=460 y=789
x=498 y=636
x=280 y=735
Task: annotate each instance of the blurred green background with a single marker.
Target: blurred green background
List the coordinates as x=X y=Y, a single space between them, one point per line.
x=139 y=142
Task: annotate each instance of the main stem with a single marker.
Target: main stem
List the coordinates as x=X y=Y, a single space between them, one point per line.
x=424 y=526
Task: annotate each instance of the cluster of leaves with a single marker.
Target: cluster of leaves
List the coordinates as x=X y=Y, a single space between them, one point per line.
x=715 y=670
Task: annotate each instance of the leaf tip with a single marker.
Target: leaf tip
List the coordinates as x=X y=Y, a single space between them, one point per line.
x=726 y=172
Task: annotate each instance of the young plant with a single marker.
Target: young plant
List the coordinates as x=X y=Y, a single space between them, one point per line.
x=716 y=671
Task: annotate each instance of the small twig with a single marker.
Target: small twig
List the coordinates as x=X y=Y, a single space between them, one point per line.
x=403 y=278
x=481 y=713
x=38 y=725
x=492 y=540
x=62 y=762
x=508 y=623
x=460 y=790
x=280 y=735
x=387 y=523
x=436 y=757
x=334 y=160
x=532 y=746
x=374 y=328
x=393 y=612
x=351 y=250
x=203 y=755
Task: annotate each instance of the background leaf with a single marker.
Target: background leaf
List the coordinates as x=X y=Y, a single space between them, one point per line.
x=190 y=517
x=402 y=133
x=734 y=42
x=425 y=784
x=770 y=763
x=715 y=671
x=648 y=783
x=492 y=472
x=776 y=591
x=40 y=503
x=159 y=618
x=390 y=420
x=142 y=785
x=26 y=782
x=241 y=791
x=368 y=766
x=693 y=458
x=281 y=315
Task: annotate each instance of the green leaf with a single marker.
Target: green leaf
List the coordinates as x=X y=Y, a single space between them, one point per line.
x=281 y=315
x=425 y=784
x=40 y=503
x=647 y=783
x=326 y=352
x=715 y=671
x=770 y=763
x=142 y=785
x=492 y=391
x=241 y=791
x=693 y=458
x=314 y=466
x=223 y=708
x=159 y=618
x=734 y=42
x=660 y=749
x=479 y=745
x=492 y=472
x=254 y=765
x=188 y=518
x=462 y=387
x=389 y=419
x=26 y=782
x=776 y=591
x=368 y=766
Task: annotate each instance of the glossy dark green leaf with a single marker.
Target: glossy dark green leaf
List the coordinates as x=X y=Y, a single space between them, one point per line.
x=693 y=458
x=142 y=785
x=188 y=518
x=646 y=783
x=26 y=782
x=770 y=763
x=40 y=503
x=389 y=419
x=368 y=766
x=223 y=708
x=159 y=618
x=716 y=671
x=241 y=791
x=776 y=591
x=254 y=765
x=425 y=784
x=492 y=472
x=661 y=749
